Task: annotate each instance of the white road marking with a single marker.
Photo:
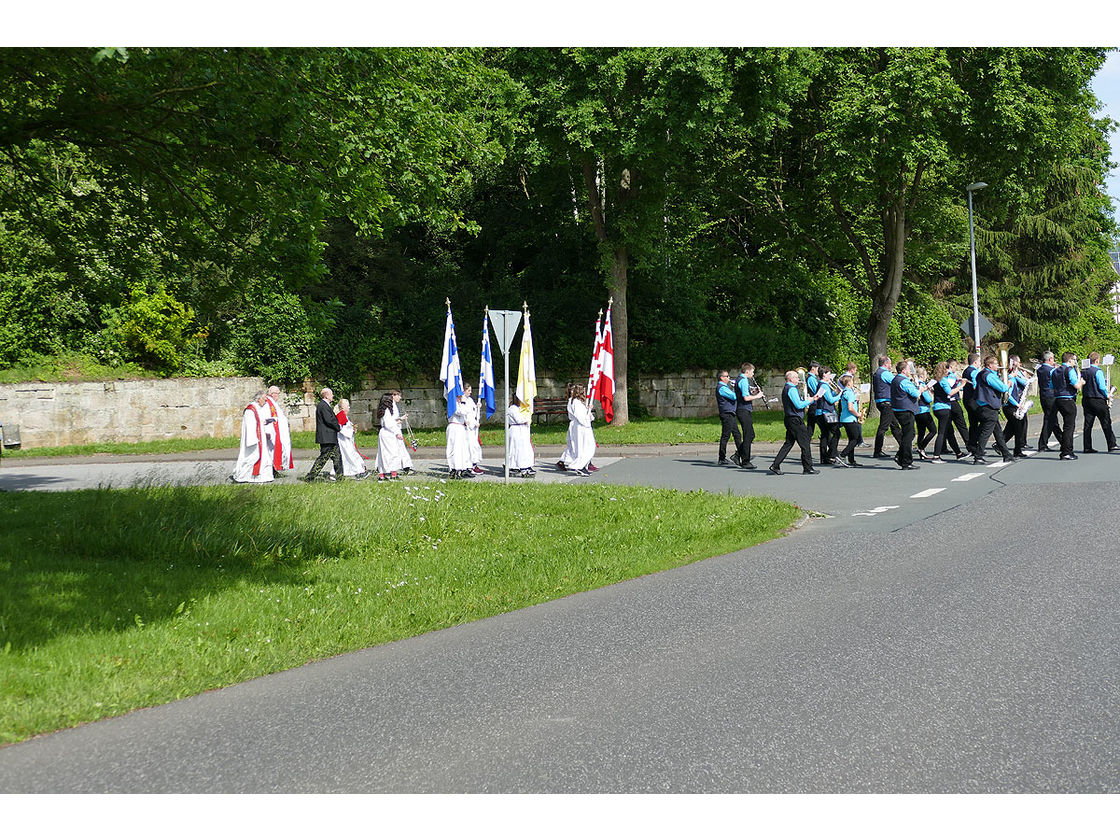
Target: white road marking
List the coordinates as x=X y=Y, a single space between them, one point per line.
x=873 y=511
x=967 y=477
x=933 y=491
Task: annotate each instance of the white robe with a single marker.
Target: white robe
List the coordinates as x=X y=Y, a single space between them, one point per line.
x=253 y=456
x=472 y=409
x=279 y=432
x=390 y=446
x=458 y=445
x=406 y=456
x=521 y=455
x=569 y=453
x=583 y=438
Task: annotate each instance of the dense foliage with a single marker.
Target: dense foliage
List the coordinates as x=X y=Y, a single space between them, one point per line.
x=304 y=213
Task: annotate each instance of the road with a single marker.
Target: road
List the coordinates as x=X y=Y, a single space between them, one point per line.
x=963 y=640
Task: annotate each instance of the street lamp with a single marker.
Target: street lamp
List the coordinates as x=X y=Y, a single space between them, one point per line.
x=971 y=188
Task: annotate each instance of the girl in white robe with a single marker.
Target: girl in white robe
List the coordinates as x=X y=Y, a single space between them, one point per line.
x=406 y=456
x=390 y=441
x=583 y=437
x=570 y=444
x=458 y=445
x=253 y=463
x=521 y=455
x=353 y=461
x=472 y=412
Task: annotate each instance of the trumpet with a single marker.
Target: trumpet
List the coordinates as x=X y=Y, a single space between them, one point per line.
x=410 y=437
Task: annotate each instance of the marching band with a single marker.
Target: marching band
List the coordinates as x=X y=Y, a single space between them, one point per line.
x=918 y=409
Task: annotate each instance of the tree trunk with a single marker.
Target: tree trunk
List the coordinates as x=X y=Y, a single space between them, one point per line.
x=621 y=331
x=887 y=288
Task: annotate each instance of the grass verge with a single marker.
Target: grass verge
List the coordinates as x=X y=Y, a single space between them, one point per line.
x=119 y=599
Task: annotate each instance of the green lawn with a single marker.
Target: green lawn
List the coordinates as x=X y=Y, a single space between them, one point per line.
x=119 y=599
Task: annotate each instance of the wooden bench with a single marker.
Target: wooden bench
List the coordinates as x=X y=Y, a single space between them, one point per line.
x=546 y=407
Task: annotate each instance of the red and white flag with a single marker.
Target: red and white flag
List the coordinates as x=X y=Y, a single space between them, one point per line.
x=605 y=386
x=593 y=377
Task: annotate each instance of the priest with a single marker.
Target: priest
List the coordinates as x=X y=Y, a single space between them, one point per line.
x=279 y=434
x=253 y=464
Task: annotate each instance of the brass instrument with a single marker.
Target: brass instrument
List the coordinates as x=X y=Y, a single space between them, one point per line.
x=410 y=437
x=757 y=389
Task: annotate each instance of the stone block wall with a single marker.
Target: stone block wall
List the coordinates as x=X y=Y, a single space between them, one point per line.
x=130 y=411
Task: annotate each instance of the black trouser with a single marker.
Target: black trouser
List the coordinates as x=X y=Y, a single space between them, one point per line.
x=331 y=452
x=927 y=429
x=730 y=430
x=746 y=420
x=1095 y=408
x=905 y=455
x=1065 y=416
x=830 y=439
x=854 y=431
x=946 y=419
x=886 y=421
x=795 y=433
x=1015 y=429
x=973 y=409
x=988 y=417
x=1047 y=421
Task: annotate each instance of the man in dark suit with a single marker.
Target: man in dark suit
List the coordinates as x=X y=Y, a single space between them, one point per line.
x=326 y=435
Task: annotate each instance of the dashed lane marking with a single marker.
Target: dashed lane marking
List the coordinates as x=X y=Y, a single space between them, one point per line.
x=967 y=477
x=933 y=491
x=873 y=511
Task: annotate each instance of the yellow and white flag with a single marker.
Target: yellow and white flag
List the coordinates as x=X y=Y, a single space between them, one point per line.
x=527 y=368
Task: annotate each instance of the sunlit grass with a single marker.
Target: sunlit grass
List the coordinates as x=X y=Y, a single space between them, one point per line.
x=118 y=599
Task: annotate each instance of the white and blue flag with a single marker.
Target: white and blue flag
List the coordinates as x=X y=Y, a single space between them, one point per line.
x=486 y=376
x=449 y=372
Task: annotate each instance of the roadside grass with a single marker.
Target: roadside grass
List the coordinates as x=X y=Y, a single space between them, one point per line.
x=115 y=600
x=768 y=426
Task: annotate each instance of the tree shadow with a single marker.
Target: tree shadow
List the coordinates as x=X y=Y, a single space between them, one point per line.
x=102 y=560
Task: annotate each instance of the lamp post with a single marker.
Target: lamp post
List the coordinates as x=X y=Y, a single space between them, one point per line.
x=971 y=188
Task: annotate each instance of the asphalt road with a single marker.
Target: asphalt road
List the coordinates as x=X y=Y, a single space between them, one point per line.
x=959 y=641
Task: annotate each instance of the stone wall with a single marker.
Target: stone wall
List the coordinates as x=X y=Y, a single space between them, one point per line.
x=129 y=411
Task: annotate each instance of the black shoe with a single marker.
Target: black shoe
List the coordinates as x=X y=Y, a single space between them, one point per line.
x=810 y=472
x=774 y=471
x=747 y=465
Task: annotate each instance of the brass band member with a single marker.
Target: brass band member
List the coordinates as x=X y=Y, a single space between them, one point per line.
x=1015 y=429
x=1094 y=404
x=923 y=420
x=947 y=409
